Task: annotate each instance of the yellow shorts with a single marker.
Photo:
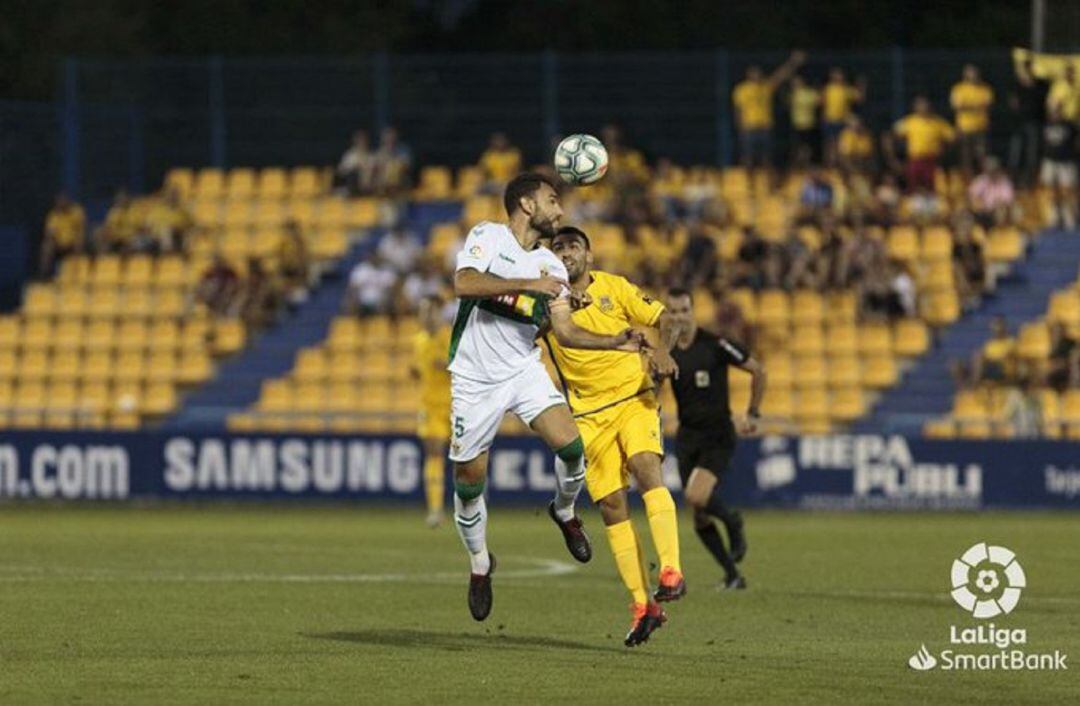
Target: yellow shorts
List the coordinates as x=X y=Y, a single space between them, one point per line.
x=434 y=424
x=615 y=434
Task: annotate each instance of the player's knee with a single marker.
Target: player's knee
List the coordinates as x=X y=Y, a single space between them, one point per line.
x=573 y=452
x=695 y=498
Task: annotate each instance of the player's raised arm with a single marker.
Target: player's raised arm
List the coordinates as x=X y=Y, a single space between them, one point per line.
x=570 y=335
x=646 y=311
x=474 y=284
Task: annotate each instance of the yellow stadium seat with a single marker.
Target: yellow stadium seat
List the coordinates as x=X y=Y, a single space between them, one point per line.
x=130 y=367
x=1034 y=341
x=275 y=396
x=807 y=307
x=842 y=339
x=161 y=366
x=169 y=304
x=971 y=405
x=9 y=364
x=29 y=395
x=10 y=331
x=107 y=270
x=311 y=365
x=100 y=334
x=62 y=396
x=1064 y=307
x=242 y=423
x=847 y=404
x=810 y=371
x=240 y=183
x=302 y=211
x=808 y=340
x=98 y=365
x=937 y=243
x=941 y=428
x=58 y=419
x=331 y=213
x=160 y=399
x=903 y=243
x=843 y=307
x=37 y=334
x=436 y=183
x=938 y=275
x=132 y=335
x=229 y=336
x=138 y=271
x=40 y=300
x=362 y=213
x=195 y=367
x=163 y=335
x=209 y=184
x=238 y=216
x=942 y=308
x=273 y=183
x=879 y=371
x=844 y=371
x=813 y=404
x=481 y=208
x=66 y=366
x=305 y=183
x=773 y=308
x=74 y=269
x=330 y=244
x=33 y=366
x=1005 y=244
x=911 y=337
x=974 y=429
x=181 y=181
x=72 y=302
x=206 y=213
x=94 y=396
x=68 y=334
x=308 y=396
x=469 y=181
x=268 y=214
x=344 y=365
x=121 y=420
x=875 y=339
x=136 y=303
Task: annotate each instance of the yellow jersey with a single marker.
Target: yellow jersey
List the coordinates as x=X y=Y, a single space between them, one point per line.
x=753 y=105
x=839 y=97
x=926 y=135
x=971 y=102
x=1066 y=96
x=430 y=358
x=804 y=105
x=120 y=224
x=501 y=165
x=66 y=227
x=855 y=143
x=597 y=378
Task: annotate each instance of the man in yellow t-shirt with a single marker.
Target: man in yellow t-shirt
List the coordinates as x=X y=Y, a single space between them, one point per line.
x=614 y=402
x=839 y=100
x=855 y=148
x=501 y=162
x=65 y=233
x=431 y=348
x=753 y=101
x=1065 y=94
x=971 y=99
x=926 y=135
x=805 y=100
x=119 y=229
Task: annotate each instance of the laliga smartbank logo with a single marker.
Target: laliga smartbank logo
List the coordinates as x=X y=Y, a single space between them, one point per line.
x=987 y=582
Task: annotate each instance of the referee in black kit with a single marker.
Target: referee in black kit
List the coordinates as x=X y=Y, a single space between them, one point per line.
x=706 y=439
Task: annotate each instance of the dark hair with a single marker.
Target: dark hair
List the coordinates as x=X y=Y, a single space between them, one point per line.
x=680 y=292
x=576 y=232
x=523 y=185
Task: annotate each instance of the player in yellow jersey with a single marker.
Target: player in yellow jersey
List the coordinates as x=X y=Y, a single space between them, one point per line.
x=614 y=403
x=429 y=369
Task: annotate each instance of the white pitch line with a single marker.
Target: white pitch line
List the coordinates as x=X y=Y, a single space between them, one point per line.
x=543 y=567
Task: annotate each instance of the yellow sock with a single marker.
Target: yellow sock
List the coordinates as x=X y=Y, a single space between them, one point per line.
x=643 y=567
x=664 y=525
x=434 y=478
x=624 y=546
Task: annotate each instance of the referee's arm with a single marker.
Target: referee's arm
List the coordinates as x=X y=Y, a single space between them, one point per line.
x=757 y=392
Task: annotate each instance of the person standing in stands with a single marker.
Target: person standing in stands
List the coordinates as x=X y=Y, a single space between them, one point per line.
x=971 y=99
x=753 y=99
x=65 y=233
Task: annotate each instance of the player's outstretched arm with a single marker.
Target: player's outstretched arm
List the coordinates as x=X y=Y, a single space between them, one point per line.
x=758 y=380
x=570 y=335
x=474 y=284
x=663 y=365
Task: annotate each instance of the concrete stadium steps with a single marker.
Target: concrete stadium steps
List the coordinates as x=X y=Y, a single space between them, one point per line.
x=927 y=389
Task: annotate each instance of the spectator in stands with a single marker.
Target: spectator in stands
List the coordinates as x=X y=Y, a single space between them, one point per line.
x=260 y=296
x=424 y=282
x=393 y=164
x=1058 y=171
x=400 y=250
x=219 y=288
x=753 y=100
x=355 y=173
x=798 y=263
x=995 y=362
x=699 y=262
x=804 y=101
x=501 y=162
x=731 y=321
x=969 y=264
x=971 y=99
x=887 y=200
x=65 y=233
x=1063 y=366
x=165 y=225
x=1023 y=408
x=903 y=285
x=371 y=284
x=702 y=198
x=855 y=148
x=815 y=196
x=1028 y=105
x=864 y=254
x=626 y=165
x=879 y=299
x=992 y=195
x=754 y=261
x=294 y=264
x=1065 y=95
x=925 y=136
x=841 y=98
x=121 y=224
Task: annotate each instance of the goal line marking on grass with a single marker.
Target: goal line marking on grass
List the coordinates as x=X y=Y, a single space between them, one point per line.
x=539 y=568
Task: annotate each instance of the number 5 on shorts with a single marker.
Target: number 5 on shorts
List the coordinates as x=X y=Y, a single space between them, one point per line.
x=459 y=427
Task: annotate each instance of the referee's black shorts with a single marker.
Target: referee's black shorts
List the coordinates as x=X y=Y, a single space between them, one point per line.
x=710 y=449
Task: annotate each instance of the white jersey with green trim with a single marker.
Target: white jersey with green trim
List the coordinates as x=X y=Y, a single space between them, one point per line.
x=493 y=338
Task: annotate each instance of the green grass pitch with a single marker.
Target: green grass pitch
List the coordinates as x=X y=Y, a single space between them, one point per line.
x=317 y=604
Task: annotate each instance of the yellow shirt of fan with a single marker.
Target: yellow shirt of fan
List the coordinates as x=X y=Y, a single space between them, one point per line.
x=501 y=165
x=971 y=102
x=926 y=135
x=856 y=143
x=67 y=227
x=597 y=378
x=839 y=97
x=753 y=105
x=431 y=352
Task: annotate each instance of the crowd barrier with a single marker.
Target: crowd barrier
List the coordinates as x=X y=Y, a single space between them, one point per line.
x=823 y=472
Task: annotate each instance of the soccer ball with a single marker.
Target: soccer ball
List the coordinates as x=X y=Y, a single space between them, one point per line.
x=581 y=159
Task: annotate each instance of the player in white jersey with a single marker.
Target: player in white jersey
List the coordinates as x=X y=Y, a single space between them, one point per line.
x=508 y=290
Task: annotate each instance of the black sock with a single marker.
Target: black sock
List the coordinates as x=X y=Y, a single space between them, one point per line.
x=719 y=510
x=712 y=540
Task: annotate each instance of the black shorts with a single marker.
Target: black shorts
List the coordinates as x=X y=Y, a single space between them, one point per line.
x=708 y=449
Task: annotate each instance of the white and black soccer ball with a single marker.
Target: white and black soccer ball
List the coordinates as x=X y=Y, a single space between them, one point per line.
x=581 y=159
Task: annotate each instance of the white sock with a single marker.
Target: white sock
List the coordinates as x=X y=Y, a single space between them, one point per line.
x=470 y=516
x=568 y=484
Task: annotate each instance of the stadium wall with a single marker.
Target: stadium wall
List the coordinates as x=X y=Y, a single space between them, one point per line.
x=847 y=472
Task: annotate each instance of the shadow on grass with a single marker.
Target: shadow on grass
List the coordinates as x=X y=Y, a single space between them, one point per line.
x=453 y=642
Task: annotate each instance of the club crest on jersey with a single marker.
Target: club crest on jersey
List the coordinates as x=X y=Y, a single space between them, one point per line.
x=476 y=250
x=544 y=271
x=605 y=303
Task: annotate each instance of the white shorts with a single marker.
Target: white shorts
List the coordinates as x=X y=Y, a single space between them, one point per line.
x=1061 y=174
x=477 y=408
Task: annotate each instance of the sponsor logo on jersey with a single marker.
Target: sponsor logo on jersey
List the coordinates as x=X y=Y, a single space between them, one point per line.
x=605 y=304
